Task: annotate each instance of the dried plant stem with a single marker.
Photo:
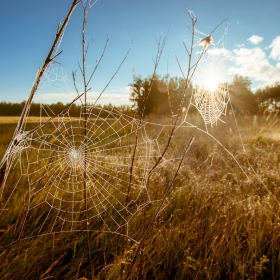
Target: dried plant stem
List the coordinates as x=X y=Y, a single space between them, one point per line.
x=187 y=83
x=113 y=76
x=53 y=117
x=83 y=71
x=191 y=70
x=167 y=191
x=161 y=46
x=6 y=161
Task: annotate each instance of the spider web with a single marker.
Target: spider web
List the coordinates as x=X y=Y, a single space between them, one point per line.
x=210 y=94
x=78 y=170
x=211 y=104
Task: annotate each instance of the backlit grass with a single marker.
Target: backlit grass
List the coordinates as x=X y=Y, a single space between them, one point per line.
x=218 y=224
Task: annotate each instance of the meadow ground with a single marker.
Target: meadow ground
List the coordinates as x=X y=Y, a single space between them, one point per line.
x=218 y=224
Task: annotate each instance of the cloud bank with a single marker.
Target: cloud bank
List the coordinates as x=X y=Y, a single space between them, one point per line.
x=275 y=48
x=259 y=64
x=255 y=39
x=118 y=96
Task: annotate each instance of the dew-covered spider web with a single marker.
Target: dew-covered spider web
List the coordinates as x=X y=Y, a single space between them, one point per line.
x=211 y=96
x=78 y=170
x=89 y=172
x=210 y=89
x=87 y=167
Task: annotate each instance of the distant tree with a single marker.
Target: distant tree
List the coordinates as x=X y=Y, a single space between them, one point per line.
x=15 y=109
x=241 y=82
x=11 y=109
x=137 y=93
x=268 y=98
x=165 y=96
x=242 y=98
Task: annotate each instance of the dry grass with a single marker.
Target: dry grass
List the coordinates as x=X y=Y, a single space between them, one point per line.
x=218 y=224
x=34 y=120
x=14 y=119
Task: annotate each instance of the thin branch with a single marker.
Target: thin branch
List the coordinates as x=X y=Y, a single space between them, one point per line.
x=74 y=81
x=186 y=49
x=84 y=53
x=170 y=137
x=168 y=89
x=226 y=19
x=113 y=75
x=91 y=4
x=141 y=116
x=167 y=191
x=5 y=163
x=56 y=55
x=80 y=68
x=146 y=96
x=173 y=128
x=196 y=63
x=97 y=64
x=53 y=117
x=179 y=64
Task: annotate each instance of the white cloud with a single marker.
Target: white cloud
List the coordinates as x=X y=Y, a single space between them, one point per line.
x=116 y=97
x=65 y=97
x=220 y=51
x=239 y=45
x=253 y=63
x=275 y=48
x=123 y=90
x=255 y=39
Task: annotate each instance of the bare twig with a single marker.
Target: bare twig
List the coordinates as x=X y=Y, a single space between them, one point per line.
x=113 y=76
x=6 y=161
x=83 y=70
x=226 y=19
x=99 y=60
x=156 y=63
x=53 y=117
x=170 y=137
x=167 y=191
x=75 y=85
x=187 y=83
x=146 y=96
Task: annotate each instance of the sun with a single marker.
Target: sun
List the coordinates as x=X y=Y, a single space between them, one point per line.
x=211 y=83
x=211 y=73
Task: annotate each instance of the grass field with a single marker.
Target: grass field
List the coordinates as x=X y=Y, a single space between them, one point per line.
x=219 y=223
x=14 y=119
x=35 y=120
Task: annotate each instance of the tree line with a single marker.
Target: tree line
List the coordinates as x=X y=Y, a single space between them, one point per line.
x=164 y=97
x=37 y=109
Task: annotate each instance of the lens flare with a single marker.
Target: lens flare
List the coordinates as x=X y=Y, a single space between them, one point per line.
x=211 y=84
x=210 y=94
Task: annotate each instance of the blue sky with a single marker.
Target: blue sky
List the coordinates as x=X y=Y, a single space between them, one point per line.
x=27 y=28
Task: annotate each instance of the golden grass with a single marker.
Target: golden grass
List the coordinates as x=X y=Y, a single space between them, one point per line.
x=218 y=224
x=32 y=119
x=15 y=119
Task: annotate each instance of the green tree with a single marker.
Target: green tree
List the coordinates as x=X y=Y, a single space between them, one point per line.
x=268 y=98
x=241 y=96
x=164 y=97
